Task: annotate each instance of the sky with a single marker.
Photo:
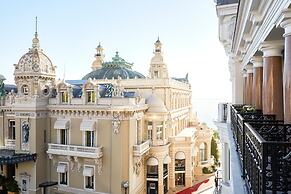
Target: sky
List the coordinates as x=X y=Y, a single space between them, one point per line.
x=70 y=30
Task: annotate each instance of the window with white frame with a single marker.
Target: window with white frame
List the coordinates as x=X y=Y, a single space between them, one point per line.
x=11 y=129
x=88 y=128
x=89 y=138
x=91 y=96
x=88 y=173
x=63 y=136
x=159 y=128
x=62 y=171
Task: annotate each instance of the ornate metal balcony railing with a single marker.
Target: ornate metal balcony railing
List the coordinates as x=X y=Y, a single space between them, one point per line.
x=74 y=150
x=263 y=144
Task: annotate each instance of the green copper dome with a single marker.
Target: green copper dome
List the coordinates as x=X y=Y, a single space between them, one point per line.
x=116 y=68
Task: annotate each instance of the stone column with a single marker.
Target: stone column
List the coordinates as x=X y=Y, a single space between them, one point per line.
x=245 y=86
x=272 y=78
x=257 y=81
x=249 y=84
x=286 y=24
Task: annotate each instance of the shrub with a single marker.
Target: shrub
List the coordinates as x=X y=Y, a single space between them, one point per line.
x=206 y=170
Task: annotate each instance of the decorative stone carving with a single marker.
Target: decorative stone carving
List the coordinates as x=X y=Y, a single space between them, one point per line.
x=79 y=165
x=116 y=122
x=137 y=165
x=99 y=164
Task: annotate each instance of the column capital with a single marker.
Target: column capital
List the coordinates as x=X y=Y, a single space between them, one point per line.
x=285 y=21
x=249 y=68
x=257 y=61
x=272 y=48
x=244 y=72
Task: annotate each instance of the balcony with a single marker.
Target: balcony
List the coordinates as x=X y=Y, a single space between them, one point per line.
x=73 y=150
x=264 y=147
x=10 y=144
x=139 y=150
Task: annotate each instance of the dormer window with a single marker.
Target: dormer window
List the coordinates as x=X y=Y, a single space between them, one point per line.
x=25 y=89
x=91 y=96
x=64 y=97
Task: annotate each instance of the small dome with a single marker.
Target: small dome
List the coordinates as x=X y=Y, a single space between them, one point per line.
x=156 y=105
x=34 y=61
x=2 y=77
x=116 y=68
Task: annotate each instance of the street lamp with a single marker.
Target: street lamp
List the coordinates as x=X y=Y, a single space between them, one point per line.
x=125 y=185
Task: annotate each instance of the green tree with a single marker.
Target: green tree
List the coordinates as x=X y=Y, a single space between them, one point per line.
x=214 y=150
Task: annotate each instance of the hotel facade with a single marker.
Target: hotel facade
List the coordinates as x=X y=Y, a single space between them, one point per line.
x=256 y=152
x=113 y=131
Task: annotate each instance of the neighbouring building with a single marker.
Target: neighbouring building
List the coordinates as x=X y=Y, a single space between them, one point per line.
x=256 y=144
x=113 y=131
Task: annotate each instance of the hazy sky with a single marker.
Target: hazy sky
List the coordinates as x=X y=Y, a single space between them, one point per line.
x=70 y=30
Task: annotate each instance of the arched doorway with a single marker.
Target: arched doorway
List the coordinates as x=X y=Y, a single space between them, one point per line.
x=152 y=175
x=180 y=168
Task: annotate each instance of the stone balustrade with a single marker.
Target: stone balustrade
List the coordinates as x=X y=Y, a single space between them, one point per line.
x=74 y=150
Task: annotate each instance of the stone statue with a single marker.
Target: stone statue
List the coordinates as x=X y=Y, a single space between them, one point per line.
x=25 y=132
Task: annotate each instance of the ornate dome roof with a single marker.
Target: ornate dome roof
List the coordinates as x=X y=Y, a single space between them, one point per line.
x=116 y=68
x=34 y=61
x=156 y=105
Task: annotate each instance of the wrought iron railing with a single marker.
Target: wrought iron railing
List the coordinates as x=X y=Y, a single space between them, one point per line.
x=263 y=145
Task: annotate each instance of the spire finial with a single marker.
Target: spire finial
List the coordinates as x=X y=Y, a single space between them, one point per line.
x=35 y=41
x=36 y=25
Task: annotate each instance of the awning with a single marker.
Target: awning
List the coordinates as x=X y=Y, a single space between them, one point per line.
x=62 y=168
x=10 y=157
x=167 y=160
x=62 y=124
x=180 y=155
x=88 y=171
x=152 y=161
x=87 y=125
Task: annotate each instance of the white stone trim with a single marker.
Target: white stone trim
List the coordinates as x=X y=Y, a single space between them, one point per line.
x=249 y=68
x=272 y=48
x=68 y=174
x=257 y=61
x=84 y=179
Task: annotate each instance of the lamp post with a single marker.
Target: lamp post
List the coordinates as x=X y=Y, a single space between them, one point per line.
x=125 y=185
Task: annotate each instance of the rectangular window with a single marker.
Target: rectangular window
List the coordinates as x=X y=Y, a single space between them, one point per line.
x=63 y=178
x=64 y=97
x=89 y=182
x=64 y=136
x=159 y=128
x=11 y=129
x=89 y=138
x=91 y=96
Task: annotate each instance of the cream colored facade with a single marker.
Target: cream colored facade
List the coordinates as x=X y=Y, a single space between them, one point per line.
x=147 y=142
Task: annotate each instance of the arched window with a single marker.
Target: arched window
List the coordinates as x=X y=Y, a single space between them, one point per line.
x=202 y=152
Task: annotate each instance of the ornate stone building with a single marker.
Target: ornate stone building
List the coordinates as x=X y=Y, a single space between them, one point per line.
x=114 y=131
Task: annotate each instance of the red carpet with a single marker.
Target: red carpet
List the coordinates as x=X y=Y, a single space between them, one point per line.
x=193 y=188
